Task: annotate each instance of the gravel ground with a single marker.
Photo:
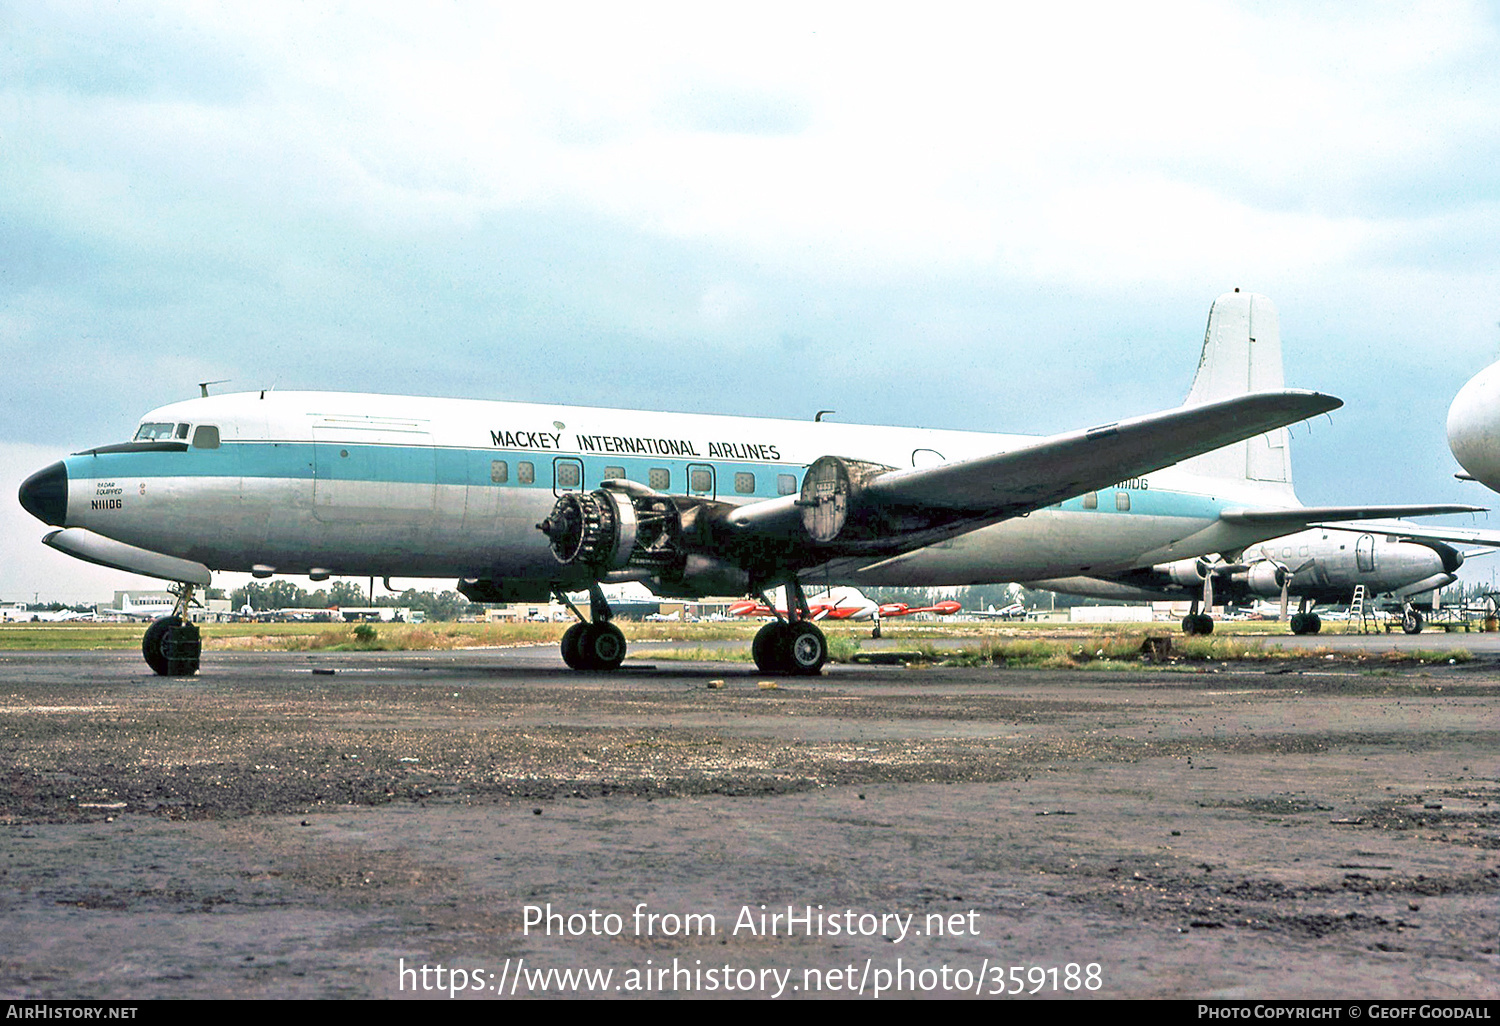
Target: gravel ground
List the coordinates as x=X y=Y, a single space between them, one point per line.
x=272 y=829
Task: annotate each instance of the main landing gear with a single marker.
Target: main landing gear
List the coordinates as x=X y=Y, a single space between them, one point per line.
x=595 y=644
x=795 y=645
x=1196 y=622
x=172 y=645
x=1305 y=622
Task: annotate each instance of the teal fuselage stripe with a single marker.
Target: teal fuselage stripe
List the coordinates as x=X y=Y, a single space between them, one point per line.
x=412 y=464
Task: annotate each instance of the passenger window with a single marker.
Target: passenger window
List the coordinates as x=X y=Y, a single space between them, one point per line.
x=182 y=430
x=1091 y=500
x=569 y=474
x=206 y=437
x=1122 y=501
x=786 y=484
x=499 y=471
x=610 y=472
x=659 y=478
x=744 y=484
x=700 y=481
x=525 y=472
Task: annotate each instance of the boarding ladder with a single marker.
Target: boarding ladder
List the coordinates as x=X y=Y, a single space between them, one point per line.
x=1357 y=612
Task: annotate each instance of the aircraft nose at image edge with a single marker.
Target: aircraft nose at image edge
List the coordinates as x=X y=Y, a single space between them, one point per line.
x=1474 y=426
x=45 y=494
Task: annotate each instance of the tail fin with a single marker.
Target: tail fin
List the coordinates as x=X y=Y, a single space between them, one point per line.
x=1241 y=354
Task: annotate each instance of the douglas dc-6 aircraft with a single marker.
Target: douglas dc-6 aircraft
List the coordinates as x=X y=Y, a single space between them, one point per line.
x=522 y=500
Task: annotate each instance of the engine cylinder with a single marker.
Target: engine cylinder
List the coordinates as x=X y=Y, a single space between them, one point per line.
x=608 y=530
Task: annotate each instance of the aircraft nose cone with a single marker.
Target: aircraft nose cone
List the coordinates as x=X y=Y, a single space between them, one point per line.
x=45 y=494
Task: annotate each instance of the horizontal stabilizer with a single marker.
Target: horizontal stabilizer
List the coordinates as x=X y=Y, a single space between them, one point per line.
x=94 y=548
x=1419 y=532
x=1300 y=517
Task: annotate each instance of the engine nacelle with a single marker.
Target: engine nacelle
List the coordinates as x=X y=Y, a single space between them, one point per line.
x=702 y=576
x=1264 y=577
x=617 y=535
x=830 y=492
x=608 y=530
x=1185 y=573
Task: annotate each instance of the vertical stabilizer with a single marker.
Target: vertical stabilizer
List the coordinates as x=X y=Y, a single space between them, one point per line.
x=1242 y=353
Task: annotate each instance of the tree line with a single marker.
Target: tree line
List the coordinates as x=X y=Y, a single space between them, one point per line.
x=273 y=595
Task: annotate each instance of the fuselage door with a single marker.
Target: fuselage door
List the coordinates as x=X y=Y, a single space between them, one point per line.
x=1364 y=554
x=369 y=473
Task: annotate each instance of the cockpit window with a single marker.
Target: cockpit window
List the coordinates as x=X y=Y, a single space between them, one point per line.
x=206 y=436
x=182 y=430
x=154 y=432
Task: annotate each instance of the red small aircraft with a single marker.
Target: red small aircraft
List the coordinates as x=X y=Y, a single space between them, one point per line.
x=840 y=604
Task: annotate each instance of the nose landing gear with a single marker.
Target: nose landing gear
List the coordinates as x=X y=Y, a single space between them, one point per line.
x=172 y=645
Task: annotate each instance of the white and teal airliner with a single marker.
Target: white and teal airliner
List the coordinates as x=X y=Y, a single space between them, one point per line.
x=521 y=500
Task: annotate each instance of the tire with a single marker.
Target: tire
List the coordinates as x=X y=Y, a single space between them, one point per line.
x=1197 y=623
x=601 y=647
x=570 y=640
x=1314 y=623
x=151 y=644
x=768 y=649
x=1299 y=623
x=805 y=649
x=1411 y=622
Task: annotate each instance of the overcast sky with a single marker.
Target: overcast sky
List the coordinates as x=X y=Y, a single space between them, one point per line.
x=983 y=216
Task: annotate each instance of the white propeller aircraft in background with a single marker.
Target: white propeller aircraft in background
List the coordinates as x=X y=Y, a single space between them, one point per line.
x=1321 y=565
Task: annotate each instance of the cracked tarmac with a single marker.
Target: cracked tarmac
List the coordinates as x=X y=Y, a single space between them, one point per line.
x=265 y=831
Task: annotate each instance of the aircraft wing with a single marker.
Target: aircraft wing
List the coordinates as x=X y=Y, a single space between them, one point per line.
x=1419 y=532
x=852 y=508
x=1066 y=465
